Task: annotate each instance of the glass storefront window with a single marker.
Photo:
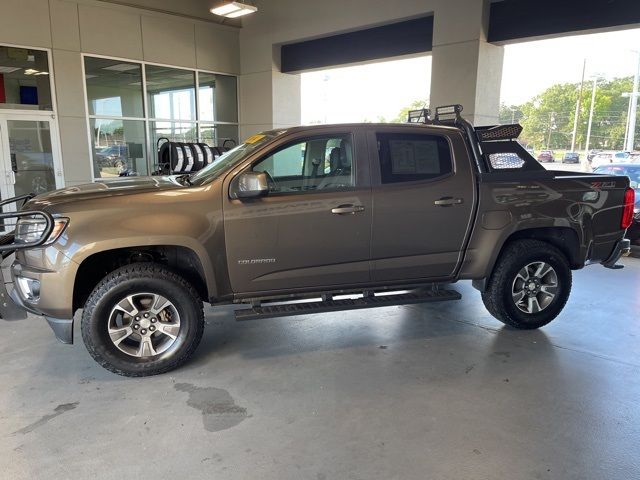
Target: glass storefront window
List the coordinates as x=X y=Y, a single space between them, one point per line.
x=114 y=87
x=218 y=97
x=171 y=93
x=24 y=79
x=125 y=130
x=219 y=135
x=118 y=147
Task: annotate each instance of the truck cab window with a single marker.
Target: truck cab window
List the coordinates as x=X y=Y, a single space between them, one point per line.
x=413 y=157
x=318 y=163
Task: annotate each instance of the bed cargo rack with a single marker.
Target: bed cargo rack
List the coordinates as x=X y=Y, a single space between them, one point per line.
x=7 y=240
x=494 y=148
x=329 y=302
x=419 y=116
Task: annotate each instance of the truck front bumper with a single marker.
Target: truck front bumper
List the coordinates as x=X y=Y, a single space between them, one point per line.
x=37 y=290
x=621 y=249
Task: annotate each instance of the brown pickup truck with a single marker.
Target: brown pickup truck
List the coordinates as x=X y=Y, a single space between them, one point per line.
x=312 y=219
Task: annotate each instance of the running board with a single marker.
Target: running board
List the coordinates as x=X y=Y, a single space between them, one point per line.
x=330 y=305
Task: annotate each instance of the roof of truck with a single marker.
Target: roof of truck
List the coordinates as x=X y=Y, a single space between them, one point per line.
x=350 y=126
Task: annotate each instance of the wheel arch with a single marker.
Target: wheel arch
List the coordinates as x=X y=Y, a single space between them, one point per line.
x=564 y=239
x=183 y=260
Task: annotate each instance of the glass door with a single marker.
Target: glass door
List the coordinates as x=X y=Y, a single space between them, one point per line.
x=29 y=160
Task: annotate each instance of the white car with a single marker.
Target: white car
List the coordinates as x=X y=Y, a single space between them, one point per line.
x=604 y=158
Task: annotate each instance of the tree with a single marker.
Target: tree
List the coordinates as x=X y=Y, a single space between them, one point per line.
x=404 y=113
x=548 y=118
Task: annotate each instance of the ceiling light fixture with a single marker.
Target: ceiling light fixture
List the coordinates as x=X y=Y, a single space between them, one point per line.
x=30 y=71
x=233 y=9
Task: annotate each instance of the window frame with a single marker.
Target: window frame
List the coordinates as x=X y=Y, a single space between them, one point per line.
x=305 y=138
x=151 y=159
x=377 y=158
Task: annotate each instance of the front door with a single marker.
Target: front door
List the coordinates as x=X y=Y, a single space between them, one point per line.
x=29 y=160
x=313 y=229
x=423 y=195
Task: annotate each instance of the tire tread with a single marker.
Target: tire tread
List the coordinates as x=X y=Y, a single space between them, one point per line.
x=140 y=270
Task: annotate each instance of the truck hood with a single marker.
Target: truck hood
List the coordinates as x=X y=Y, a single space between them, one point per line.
x=91 y=191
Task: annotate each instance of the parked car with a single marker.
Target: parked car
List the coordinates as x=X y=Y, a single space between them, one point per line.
x=140 y=255
x=633 y=172
x=592 y=153
x=607 y=157
x=571 y=157
x=546 y=156
x=114 y=156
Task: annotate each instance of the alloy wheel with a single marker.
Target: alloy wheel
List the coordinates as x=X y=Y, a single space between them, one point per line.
x=535 y=287
x=144 y=325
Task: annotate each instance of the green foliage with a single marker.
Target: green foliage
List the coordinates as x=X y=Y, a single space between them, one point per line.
x=402 y=115
x=548 y=118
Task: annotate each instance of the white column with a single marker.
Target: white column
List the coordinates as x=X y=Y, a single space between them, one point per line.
x=268 y=98
x=466 y=69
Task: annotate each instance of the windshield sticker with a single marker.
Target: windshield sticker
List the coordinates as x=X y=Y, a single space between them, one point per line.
x=254 y=139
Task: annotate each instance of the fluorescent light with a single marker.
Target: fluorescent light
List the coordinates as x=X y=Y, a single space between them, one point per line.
x=241 y=12
x=8 y=69
x=30 y=71
x=225 y=9
x=233 y=9
x=42 y=73
x=121 y=67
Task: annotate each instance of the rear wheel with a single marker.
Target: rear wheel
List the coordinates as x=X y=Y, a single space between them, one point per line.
x=142 y=319
x=529 y=286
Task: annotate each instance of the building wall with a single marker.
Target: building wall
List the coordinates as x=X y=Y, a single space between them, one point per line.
x=72 y=27
x=465 y=68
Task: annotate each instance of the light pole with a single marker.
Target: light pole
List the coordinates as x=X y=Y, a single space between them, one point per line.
x=593 y=102
x=633 y=110
x=578 y=108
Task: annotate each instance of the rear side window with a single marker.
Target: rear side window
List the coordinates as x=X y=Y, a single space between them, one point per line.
x=413 y=157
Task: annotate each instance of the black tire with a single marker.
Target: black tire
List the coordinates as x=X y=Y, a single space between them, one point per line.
x=132 y=280
x=498 y=298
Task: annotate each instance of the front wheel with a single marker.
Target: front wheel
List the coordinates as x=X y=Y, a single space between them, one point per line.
x=530 y=285
x=142 y=319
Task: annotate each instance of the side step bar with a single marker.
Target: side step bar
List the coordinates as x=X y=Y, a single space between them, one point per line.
x=330 y=305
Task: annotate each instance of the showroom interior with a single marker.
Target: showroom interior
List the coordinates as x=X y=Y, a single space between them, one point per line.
x=400 y=392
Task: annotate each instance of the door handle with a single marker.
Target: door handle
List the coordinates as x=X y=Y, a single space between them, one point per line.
x=347 y=209
x=448 y=201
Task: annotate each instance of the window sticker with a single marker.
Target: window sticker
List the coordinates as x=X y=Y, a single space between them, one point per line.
x=254 y=139
x=411 y=157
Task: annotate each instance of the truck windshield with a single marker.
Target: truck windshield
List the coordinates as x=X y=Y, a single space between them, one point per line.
x=232 y=157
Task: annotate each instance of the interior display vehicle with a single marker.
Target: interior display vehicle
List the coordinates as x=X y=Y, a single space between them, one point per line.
x=312 y=219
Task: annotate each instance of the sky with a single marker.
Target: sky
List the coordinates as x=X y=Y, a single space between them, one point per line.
x=359 y=93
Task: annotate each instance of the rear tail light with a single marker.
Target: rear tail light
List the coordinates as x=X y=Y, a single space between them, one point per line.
x=627 y=211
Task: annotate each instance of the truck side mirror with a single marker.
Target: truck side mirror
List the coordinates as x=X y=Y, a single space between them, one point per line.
x=249 y=185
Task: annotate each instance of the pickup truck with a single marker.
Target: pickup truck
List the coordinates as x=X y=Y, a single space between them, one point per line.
x=312 y=219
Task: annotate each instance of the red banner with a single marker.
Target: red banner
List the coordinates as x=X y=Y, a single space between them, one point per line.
x=3 y=97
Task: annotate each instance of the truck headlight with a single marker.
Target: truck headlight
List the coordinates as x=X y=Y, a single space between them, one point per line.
x=31 y=229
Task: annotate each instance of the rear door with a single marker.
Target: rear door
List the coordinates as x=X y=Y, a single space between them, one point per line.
x=313 y=228
x=424 y=195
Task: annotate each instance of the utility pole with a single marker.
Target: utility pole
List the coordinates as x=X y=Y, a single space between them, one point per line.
x=593 y=103
x=626 y=127
x=578 y=108
x=551 y=119
x=633 y=111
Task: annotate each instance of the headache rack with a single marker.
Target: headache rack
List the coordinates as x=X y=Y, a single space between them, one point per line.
x=494 y=147
x=8 y=221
